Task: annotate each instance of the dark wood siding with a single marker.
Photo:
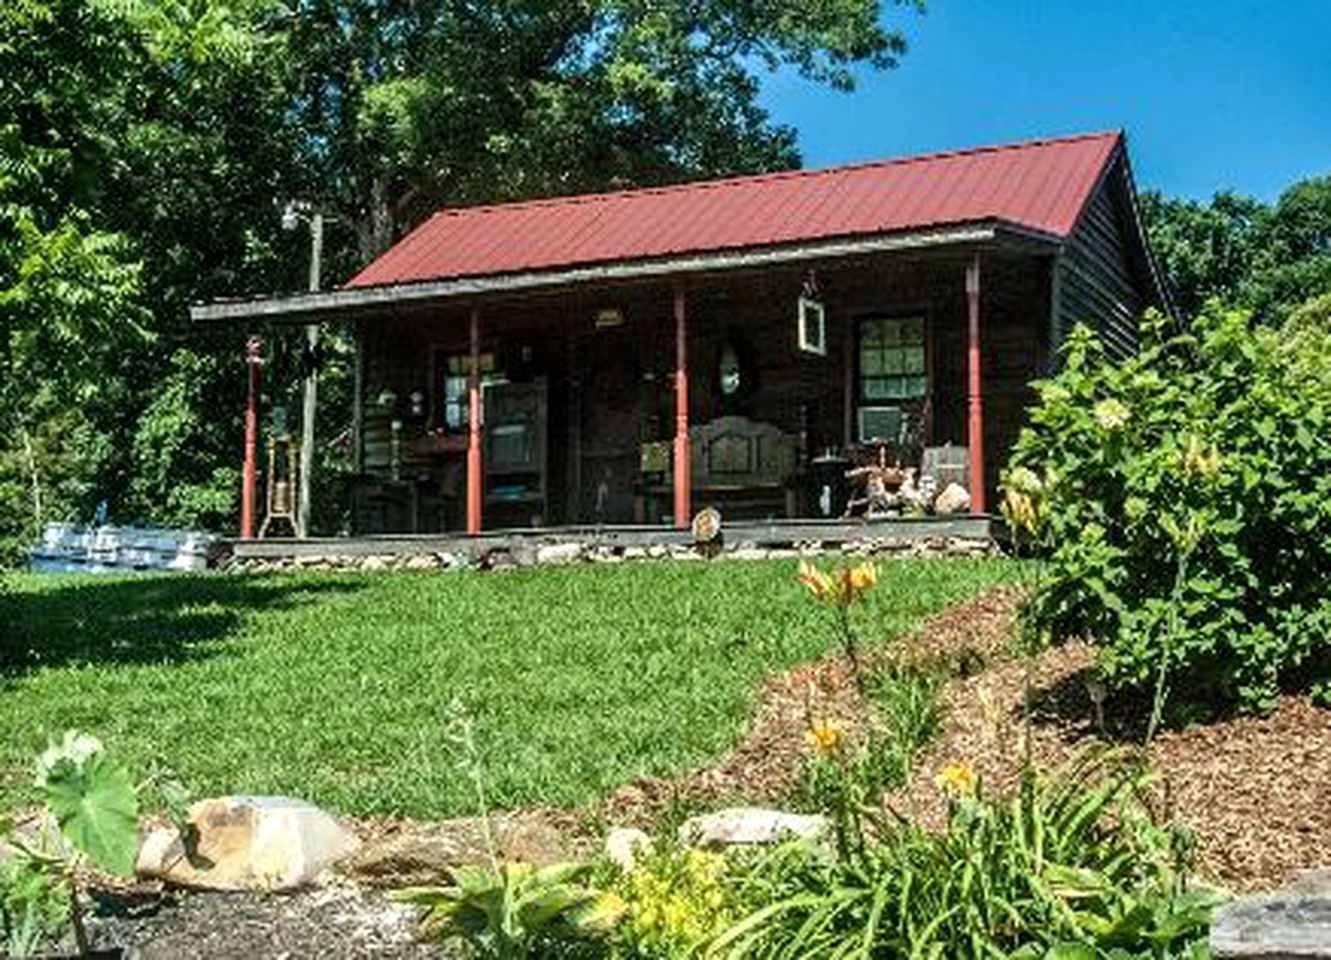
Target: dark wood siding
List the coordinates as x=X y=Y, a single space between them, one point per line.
x=1101 y=283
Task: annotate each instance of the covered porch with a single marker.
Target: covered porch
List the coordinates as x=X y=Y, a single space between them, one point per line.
x=618 y=403
x=636 y=401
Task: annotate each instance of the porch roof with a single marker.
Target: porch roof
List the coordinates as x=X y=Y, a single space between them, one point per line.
x=1039 y=185
x=1035 y=190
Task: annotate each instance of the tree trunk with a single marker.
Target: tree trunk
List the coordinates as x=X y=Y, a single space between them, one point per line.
x=374 y=231
x=35 y=476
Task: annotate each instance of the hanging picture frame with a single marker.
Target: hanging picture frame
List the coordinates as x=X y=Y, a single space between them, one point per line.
x=812 y=323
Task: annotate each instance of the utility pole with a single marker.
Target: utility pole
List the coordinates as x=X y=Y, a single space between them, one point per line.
x=311 y=392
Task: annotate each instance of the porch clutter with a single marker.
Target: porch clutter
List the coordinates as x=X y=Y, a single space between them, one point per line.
x=953 y=499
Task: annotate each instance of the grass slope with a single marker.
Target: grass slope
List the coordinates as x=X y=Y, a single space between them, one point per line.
x=332 y=687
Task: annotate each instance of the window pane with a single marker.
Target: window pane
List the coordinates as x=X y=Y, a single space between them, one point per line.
x=919 y=386
x=871 y=332
x=912 y=360
x=912 y=330
x=892 y=361
x=871 y=362
x=877 y=388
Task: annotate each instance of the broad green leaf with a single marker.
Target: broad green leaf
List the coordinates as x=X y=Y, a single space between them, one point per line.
x=95 y=805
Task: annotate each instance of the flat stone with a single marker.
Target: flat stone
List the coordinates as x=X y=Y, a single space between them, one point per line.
x=624 y=844
x=744 y=826
x=1293 y=923
x=424 y=853
x=749 y=552
x=559 y=553
x=247 y=843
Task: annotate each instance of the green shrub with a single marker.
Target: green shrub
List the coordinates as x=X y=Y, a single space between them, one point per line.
x=1210 y=452
x=1072 y=867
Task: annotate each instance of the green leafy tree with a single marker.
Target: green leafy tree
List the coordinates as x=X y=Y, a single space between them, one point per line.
x=1206 y=251
x=147 y=148
x=1243 y=252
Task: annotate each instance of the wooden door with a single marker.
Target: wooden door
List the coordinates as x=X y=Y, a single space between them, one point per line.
x=608 y=409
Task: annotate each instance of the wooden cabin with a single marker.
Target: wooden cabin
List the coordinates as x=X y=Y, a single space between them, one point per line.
x=630 y=357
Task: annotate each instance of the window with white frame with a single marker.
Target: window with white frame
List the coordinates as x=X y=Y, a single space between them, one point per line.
x=892 y=364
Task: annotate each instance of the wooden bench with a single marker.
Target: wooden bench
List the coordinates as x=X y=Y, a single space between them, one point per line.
x=743 y=467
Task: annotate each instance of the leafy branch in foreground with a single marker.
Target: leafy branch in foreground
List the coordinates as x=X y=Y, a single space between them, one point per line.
x=95 y=808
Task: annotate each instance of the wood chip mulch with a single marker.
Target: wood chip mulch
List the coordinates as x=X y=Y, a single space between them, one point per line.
x=768 y=763
x=1256 y=791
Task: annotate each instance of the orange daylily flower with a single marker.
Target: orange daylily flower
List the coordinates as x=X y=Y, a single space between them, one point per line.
x=824 y=737
x=957 y=778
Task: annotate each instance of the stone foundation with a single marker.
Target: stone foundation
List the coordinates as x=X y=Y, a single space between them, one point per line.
x=563 y=553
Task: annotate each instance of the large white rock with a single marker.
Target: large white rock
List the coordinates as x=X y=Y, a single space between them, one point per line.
x=559 y=553
x=953 y=499
x=740 y=826
x=247 y=843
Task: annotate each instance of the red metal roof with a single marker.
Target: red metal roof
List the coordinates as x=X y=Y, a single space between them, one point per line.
x=1039 y=185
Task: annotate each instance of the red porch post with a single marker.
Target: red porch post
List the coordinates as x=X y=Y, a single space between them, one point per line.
x=975 y=423
x=249 y=471
x=683 y=509
x=474 y=478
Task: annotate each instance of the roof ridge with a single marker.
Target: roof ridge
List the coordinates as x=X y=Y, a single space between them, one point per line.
x=578 y=199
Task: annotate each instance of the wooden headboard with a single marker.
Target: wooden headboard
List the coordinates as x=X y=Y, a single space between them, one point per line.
x=736 y=452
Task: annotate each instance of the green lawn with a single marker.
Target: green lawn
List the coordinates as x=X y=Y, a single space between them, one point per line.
x=333 y=687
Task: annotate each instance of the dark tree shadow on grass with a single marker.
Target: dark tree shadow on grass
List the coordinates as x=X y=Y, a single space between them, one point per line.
x=138 y=620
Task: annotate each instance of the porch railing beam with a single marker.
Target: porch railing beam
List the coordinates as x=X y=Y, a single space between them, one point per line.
x=683 y=509
x=250 y=468
x=474 y=478
x=975 y=398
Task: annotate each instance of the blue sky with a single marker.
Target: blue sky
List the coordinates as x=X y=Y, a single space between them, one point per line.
x=1213 y=93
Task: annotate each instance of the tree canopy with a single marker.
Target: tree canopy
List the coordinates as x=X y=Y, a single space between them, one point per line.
x=1237 y=250
x=148 y=148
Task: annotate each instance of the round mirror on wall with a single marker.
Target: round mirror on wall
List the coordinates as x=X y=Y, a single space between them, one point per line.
x=731 y=376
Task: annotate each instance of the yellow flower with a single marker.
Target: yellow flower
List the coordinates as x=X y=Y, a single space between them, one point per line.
x=824 y=737
x=1020 y=510
x=1111 y=414
x=855 y=580
x=1200 y=460
x=956 y=778
x=819 y=583
x=1022 y=498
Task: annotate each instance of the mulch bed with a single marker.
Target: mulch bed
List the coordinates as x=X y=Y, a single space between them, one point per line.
x=1256 y=791
x=328 y=921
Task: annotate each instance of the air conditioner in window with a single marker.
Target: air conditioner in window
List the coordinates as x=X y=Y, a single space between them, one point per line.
x=880 y=424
